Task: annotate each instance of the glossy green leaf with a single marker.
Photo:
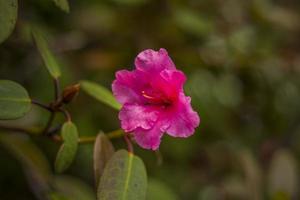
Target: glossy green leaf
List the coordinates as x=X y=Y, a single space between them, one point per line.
x=63 y=4
x=14 y=100
x=158 y=190
x=48 y=58
x=103 y=151
x=33 y=161
x=100 y=93
x=8 y=17
x=68 y=149
x=124 y=178
x=73 y=188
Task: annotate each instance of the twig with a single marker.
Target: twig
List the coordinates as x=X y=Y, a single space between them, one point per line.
x=159 y=158
x=90 y=139
x=37 y=103
x=54 y=130
x=111 y=135
x=49 y=123
x=56 y=138
x=56 y=89
x=115 y=134
x=66 y=113
x=129 y=144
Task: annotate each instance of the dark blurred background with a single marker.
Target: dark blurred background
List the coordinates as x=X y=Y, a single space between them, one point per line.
x=243 y=66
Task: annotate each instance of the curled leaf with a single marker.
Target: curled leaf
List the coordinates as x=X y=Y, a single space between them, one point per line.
x=100 y=93
x=48 y=57
x=14 y=100
x=124 y=177
x=68 y=149
x=103 y=151
x=8 y=17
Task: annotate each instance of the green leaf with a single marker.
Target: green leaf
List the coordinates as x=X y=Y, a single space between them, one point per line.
x=124 y=178
x=45 y=52
x=100 y=93
x=103 y=151
x=68 y=149
x=33 y=161
x=8 y=17
x=63 y=4
x=158 y=190
x=73 y=188
x=14 y=100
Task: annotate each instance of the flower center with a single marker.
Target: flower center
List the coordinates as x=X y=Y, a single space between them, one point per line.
x=156 y=98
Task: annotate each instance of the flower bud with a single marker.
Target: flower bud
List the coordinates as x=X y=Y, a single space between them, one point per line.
x=70 y=92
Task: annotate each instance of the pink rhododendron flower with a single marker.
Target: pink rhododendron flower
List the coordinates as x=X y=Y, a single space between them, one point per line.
x=153 y=100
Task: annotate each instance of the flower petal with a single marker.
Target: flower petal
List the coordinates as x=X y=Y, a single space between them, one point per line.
x=148 y=139
x=174 y=77
x=126 y=87
x=170 y=82
x=150 y=61
x=134 y=116
x=184 y=120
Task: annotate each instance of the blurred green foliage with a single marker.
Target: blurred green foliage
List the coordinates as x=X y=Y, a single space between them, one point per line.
x=243 y=66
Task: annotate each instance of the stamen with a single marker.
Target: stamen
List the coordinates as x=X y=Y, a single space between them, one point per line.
x=155 y=100
x=144 y=94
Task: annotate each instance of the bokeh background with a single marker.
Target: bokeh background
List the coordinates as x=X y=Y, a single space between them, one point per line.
x=243 y=66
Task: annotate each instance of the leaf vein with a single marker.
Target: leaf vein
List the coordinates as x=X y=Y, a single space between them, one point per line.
x=128 y=176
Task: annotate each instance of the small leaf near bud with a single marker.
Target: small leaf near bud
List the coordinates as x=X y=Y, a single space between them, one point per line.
x=70 y=92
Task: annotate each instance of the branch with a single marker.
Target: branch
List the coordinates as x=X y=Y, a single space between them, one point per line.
x=49 y=123
x=129 y=144
x=41 y=105
x=66 y=113
x=56 y=89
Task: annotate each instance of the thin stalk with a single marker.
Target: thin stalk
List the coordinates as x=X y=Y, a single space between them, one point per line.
x=35 y=131
x=66 y=113
x=129 y=144
x=111 y=135
x=56 y=89
x=84 y=140
x=41 y=105
x=159 y=157
x=115 y=134
x=49 y=123
x=54 y=130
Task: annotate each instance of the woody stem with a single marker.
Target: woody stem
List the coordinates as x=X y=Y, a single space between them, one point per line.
x=129 y=144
